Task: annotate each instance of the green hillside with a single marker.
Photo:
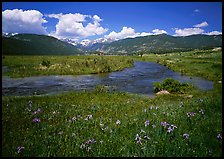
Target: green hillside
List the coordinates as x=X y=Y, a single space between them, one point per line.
x=161 y=43
x=32 y=44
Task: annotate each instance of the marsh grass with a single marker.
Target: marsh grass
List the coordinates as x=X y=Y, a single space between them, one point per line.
x=25 y=66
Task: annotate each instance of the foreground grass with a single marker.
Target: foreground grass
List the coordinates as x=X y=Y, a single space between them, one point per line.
x=25 y=66
x=113 y=120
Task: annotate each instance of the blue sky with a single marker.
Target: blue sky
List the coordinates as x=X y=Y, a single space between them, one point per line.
x=112 y=20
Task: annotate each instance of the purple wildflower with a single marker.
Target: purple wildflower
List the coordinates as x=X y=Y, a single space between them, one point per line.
x=138 y=139
x=164 y=124
x=36 y=120
x=169 y=130
x=186 y=136
x=147 y=123
x=20 y=149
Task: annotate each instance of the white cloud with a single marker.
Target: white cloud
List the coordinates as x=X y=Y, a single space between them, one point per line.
x=157 y=31
x=196 y=10
x=188 y=31
x=128 y=32
x=124 y=33
x=213 y=33
x=19 y=21
x=203 y=24
x=71 y=25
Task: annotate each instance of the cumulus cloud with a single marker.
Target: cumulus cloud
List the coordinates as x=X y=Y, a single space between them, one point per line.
x=128 y=32
x=188 y=31
x=19 y=21
x=213 y=33
x=203 y=24
x=71 y=25
x=157 y=31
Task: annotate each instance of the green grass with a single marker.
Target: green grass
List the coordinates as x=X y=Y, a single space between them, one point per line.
x=59 y=134
x=26 y=66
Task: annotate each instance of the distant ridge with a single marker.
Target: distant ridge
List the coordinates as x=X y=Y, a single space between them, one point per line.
x=33 y=44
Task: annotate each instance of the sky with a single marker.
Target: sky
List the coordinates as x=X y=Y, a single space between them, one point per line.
x=112 y=20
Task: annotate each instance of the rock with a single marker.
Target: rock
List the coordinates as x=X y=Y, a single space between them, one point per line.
x=163 y=92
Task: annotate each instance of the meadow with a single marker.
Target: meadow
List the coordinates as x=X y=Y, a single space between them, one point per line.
x=104 y=123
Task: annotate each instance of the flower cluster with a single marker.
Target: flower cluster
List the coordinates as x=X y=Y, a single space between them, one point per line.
x=170 y=128
x=189 y=114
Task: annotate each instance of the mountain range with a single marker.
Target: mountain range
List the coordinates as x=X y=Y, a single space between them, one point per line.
x=46 y=45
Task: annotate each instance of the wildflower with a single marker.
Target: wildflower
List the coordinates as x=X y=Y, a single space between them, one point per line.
x=30 y=103
x=89 y=117
x=82 y=146
x=173 y=126
x=142 y=131
x=186 y=136
x=145 y=110
x=146 y=137
x=154 y=113
x=153 y=126
x=89 y=148
x=36 y=120
x=169 y=130
x=157 y=107
x=118 y=122
x=202 y=111
x=37 y=111
x=74 y=118
x=164 y=124
x=219 y=136
x=151 y=107
x=189 y=114
x=20 y=149
x=101 y=141
x=147 y=123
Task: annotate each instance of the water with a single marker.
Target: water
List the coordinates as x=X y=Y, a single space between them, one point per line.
x=138 y=79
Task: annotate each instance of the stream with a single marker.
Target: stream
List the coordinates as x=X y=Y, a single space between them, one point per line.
x=138 y=79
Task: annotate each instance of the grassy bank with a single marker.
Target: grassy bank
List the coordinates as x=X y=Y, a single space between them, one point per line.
x=26 y=66
x=201 y=63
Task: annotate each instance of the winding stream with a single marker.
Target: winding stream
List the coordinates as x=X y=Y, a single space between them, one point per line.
x=138 y=79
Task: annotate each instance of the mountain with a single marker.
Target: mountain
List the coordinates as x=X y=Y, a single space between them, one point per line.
x=156 y=44
x=33 y=44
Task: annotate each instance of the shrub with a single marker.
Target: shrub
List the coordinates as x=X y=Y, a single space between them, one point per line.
x=171 y=85
x=46 y=63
